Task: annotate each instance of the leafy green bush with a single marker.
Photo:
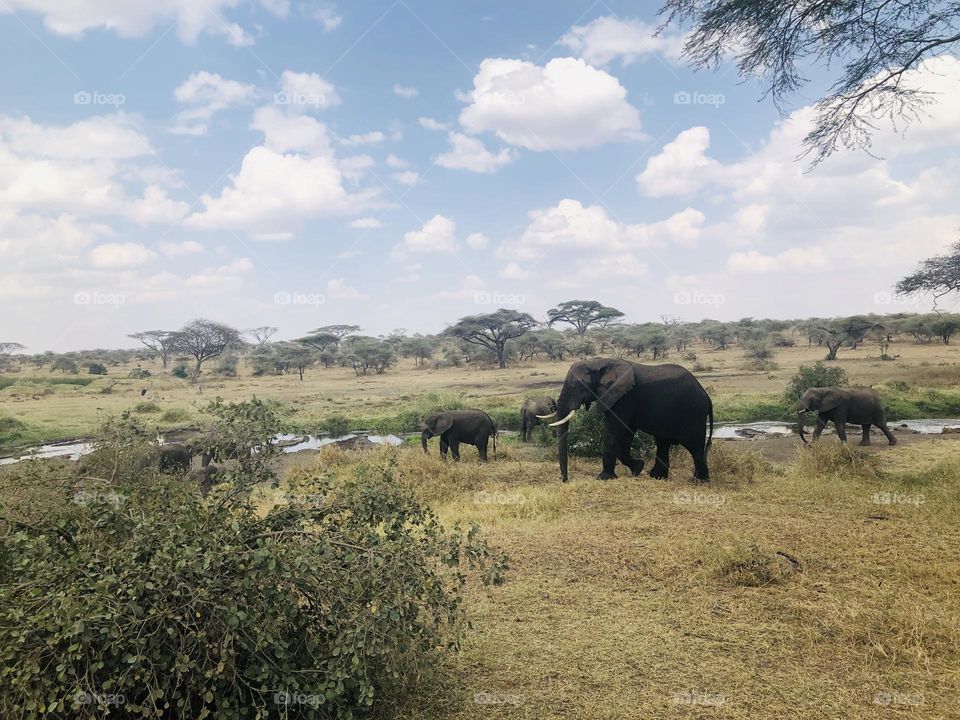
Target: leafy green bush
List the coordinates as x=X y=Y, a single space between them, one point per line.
x=820 y=375
x=180 y=371
x=147 y=407
x=171 y=606
x=139 y=374
x=585 y=436
x=96 y=369
x=16 y=432
x=174 y=415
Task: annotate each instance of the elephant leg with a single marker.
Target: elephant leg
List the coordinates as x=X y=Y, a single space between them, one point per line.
x=699 y=454
x=661 y=463
x=865 y=440
x=609 y=457
x=482 y=448
x=886 y=431
x=523 y=426
x=623 y=443
x=841 y=426
x=443 y=447
x=821 y=424
x=455 y=450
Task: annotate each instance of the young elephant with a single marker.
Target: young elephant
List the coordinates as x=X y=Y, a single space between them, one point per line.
x=859 y=406
x=175 y=458
x=528 y=414
x=473 y=427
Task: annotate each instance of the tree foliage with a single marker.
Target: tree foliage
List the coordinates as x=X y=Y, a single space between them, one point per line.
x=938 y=276
x=583 y=314
x=493 y=330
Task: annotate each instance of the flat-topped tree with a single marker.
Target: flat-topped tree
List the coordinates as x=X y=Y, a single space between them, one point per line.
x=160 y=342
x=938 y=276
x=583 y=314
x=492 y=330
x=205 y=339
x=323 y=337
x=262 y=334
x=8 y=347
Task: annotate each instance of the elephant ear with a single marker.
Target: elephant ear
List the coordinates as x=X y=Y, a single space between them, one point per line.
x=442 y=423
x=616 y=380
x=831 y=400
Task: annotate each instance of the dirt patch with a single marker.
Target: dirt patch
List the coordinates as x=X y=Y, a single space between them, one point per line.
x=782 y=449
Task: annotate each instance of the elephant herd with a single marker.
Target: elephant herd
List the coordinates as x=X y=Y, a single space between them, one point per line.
x=664 y=401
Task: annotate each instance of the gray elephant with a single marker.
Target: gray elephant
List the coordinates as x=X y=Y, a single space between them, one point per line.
x=206 y=477
x=174 y=457
x=858 y=406
x=529 y=411
x=473 y=427
x=665 y=401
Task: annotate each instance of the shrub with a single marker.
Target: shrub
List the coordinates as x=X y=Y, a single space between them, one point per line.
x=174 y=415
x=97 y=369
x=167 y=605
x=820 y=375
x=139 y=374
x=335 y=425
x=180 y=371
x=585 y=436
x=227 y=367
x=146 y=408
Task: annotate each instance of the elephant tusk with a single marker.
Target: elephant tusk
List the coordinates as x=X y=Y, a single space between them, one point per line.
x=565 y=420
x=547 y=417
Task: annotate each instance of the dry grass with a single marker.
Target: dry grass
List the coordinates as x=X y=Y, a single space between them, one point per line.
x=777 y=591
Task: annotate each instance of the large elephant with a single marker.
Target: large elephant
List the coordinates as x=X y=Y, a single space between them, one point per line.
x=473 y=427
x=858 y=406
x=665 y=401
x=530 y=411
x=175 y=457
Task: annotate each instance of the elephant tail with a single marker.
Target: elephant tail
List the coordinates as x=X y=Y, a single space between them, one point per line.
x=710 y=436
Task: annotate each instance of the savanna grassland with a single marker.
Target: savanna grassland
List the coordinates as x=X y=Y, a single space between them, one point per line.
x=822 y=582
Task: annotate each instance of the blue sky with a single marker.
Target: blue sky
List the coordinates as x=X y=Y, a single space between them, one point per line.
x=405 y=164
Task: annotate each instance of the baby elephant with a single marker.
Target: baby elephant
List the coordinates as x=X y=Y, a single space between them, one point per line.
x=528 y=414
x=858 y=406
x=473 y=427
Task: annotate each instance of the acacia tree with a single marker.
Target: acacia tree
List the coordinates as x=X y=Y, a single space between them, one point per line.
x=205 y=339
x=583 y=314
x=263 y=333
x=160 y=342
x=323 y=337
x=938 y=276
x=492 y=330
x=877 y=41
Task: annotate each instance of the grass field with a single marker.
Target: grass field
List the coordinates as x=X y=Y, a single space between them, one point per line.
x=923 y=382
x=823 y=585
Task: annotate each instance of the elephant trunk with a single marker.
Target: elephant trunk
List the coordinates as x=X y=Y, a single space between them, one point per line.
x=424 y=436
x=562 y=449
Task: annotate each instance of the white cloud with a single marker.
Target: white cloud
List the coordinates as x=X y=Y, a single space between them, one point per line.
x=370 y=138
x=408 y=177
x=478 y=241
x=470 y=286
x=682 y=167
x=338 y=289
x=438 y=234
x=430 y=124
x=512 y=271
x=468 y=153
x=327 y=16
x=207 y=93
x=564 y=105
x=305 y=92
x=156 y=207
x=135 y=18
x=367 y=223
x=187 y=247
x=397 y=163
x=405 y=91
x=355 y=168
x=607 y=38
x=121 y=255
x=273 y=236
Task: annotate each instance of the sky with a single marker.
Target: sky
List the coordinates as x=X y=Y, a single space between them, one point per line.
x=403 y=164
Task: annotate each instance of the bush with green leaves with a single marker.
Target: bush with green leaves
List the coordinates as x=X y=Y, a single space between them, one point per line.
x=96 y=368
x=586 y=433
x=820 y=375
x=244 y=432
x=147 y=600
x=180 y=371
